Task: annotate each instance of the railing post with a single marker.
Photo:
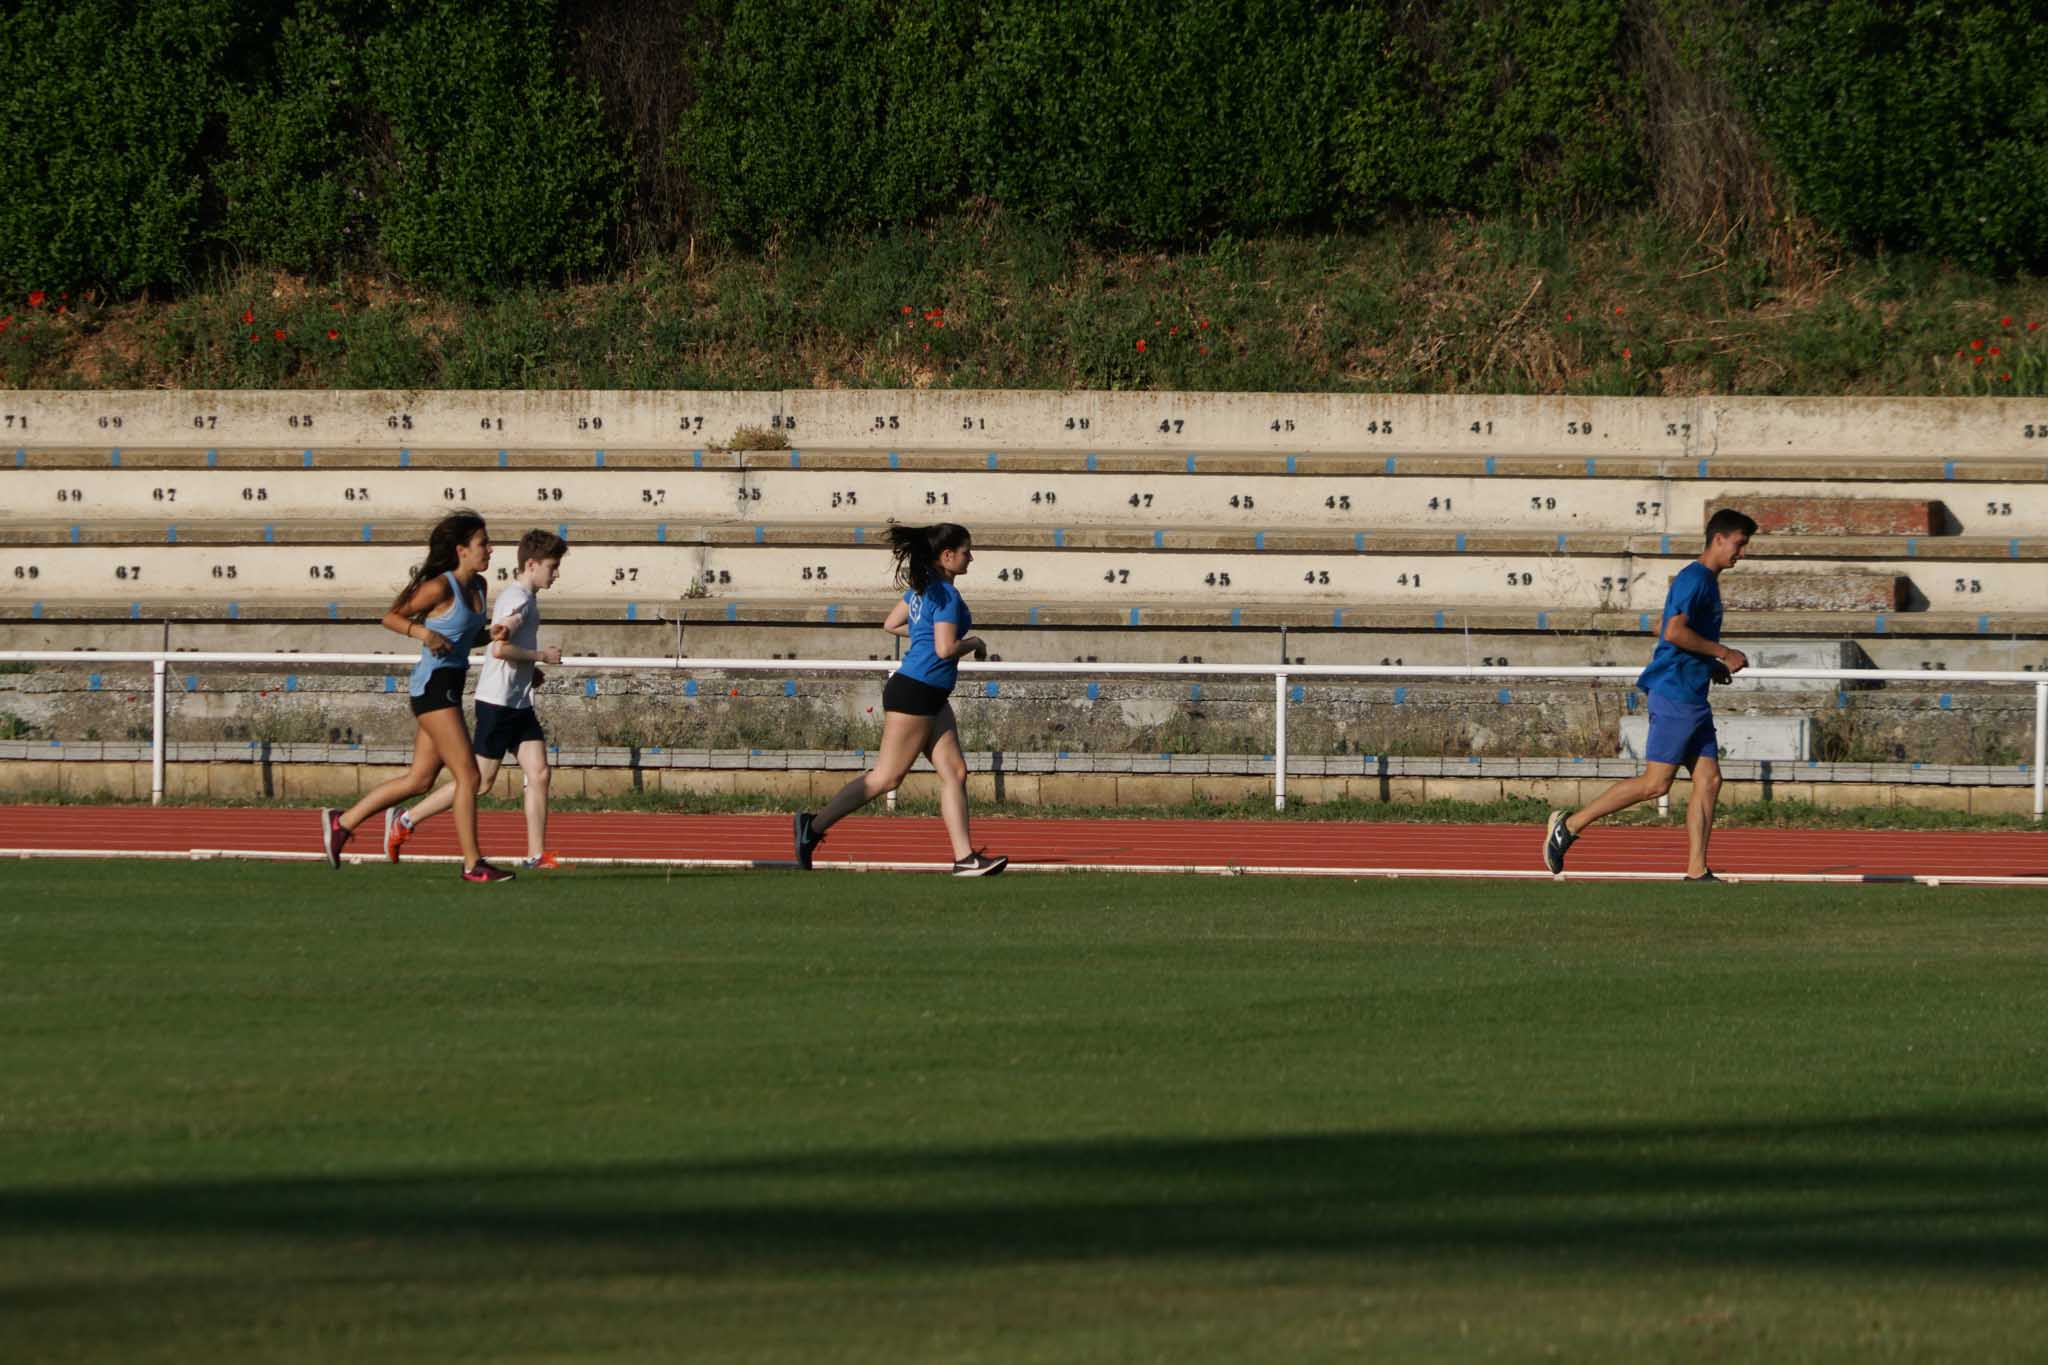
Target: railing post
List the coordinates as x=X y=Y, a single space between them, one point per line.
x=156 y=733
x=1279 y=741
x=2040 y=744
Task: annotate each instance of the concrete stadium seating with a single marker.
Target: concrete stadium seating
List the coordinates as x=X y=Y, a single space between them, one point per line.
x=1133 y=526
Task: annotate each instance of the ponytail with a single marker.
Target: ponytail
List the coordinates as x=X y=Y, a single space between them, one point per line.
x=917 y=550
x=449 y=534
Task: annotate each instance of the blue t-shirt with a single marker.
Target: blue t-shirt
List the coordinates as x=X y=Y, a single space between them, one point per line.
x=1674 y=672
x=940 y=601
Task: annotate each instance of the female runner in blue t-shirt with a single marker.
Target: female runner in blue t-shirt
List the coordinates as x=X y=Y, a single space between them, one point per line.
x=917 y=715
x=443 y=608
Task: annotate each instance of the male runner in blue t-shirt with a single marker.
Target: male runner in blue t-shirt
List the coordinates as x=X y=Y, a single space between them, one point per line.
x=1689 y=657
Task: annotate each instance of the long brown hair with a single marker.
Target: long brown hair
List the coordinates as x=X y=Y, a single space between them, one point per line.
x=917 y=550
x=450 y=533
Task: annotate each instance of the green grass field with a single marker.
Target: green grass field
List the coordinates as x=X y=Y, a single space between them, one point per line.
x=257 y=1112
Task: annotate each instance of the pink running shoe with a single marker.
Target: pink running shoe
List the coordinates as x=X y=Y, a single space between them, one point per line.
x=484 y=872
x=333 y=838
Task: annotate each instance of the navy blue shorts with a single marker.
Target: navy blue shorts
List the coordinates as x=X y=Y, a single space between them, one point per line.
x=500 y=730
x=1680 y=731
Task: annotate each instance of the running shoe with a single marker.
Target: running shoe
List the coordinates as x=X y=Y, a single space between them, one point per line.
x=1708 y=876
x=396 y=832
x=333 y=838
x=979 y=864
x=546 y=862
x=807 y=839
x=1556 y=839
x=484 y=872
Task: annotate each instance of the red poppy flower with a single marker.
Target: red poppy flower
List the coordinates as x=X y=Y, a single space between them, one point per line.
x=734 y=693
x=35 y=298
x=1625 y=353
x=333 y=335
x=2005 y=379
x=938 y=322
x=1977 y=360
x=1995 y=350
x=1205 y=350
x=278 y=333
x=1567 y=317
x=63 y=308
x=2032 y=325
x=1174 y=333
x=1204 y=324
x=1141 y=344
x=2005 y=322
x=252 y=336
x=906 y=307
x=248 y=316
x=1619 y=310
x=1977 y=345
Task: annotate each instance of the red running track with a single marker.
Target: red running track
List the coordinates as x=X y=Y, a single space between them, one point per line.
x=880 y=842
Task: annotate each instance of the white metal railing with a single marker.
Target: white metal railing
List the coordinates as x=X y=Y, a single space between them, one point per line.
x=1281 y=674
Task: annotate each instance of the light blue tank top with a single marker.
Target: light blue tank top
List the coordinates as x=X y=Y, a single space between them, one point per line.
x=459 y=624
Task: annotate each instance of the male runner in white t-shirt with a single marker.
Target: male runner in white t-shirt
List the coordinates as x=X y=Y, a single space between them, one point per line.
x=505 y=721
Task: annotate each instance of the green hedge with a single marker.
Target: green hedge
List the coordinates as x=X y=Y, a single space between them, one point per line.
x=103 y=114
x=446 y=142
x=295 y=182
x=1154 y=119
x=811 y=116
x=1918 y=125
x=439 y=139
x=500 y=167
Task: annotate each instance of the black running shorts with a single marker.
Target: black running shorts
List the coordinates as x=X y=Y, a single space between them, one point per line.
x=910 y=697
x=443 y=690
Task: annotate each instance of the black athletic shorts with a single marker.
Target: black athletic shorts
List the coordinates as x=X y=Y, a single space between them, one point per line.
x=911 y=697
x=500 y=730
x=443 y=690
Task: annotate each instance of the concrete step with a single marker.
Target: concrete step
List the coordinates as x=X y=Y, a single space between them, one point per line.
x=1055 y=578
x=1949 y=469
x=1366 y=498
x=593 y=533
x=1780 y=432
x=2002 y=630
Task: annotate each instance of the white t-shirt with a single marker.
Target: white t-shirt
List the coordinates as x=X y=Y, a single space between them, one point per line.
x=509 y=684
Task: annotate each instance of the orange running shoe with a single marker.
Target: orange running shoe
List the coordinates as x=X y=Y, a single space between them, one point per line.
x=396 y=832
x=546 y=862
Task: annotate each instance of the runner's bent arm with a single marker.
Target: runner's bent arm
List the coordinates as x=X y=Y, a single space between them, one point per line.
x=946 y=647
x=1683 y=636
x=405 y=619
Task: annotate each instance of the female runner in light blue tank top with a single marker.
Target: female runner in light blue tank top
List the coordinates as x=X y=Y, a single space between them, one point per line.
x=443 y=608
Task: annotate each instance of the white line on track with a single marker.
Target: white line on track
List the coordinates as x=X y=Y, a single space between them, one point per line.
x=1184 y=869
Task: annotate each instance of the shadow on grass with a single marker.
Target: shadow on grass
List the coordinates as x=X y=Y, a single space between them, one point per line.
x=1965 y=1193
